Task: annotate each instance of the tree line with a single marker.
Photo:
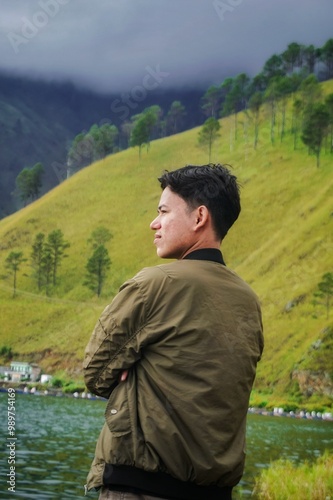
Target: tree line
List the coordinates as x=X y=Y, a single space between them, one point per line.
x=311 y=114
x=295 y=70
x=138 y=131
x=291 y=73
x=47 y=254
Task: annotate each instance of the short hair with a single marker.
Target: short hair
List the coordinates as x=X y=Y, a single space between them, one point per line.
x=211 y=185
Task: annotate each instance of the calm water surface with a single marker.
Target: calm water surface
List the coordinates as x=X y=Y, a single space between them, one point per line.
x=56 y=438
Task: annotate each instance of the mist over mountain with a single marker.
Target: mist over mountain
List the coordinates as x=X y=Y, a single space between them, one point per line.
x=39 y=119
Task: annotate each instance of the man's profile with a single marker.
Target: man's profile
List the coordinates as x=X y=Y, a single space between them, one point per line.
x=175 y=354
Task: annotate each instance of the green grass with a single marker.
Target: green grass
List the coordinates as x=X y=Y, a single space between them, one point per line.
x=283 y=480
x=281 y=244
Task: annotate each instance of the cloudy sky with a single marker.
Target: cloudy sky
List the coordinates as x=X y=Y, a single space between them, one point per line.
x=113 y=45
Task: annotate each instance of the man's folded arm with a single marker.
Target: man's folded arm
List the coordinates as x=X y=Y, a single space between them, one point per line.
x=115 y=343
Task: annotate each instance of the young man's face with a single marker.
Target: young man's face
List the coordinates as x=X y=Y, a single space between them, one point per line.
x=174 y=226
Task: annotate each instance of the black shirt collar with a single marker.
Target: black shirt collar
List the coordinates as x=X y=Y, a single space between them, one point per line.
x=212 y=254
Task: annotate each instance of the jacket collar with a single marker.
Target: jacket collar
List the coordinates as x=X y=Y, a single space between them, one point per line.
x=212 y=254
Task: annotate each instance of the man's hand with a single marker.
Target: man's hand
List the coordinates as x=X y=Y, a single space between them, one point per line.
x=123 y=376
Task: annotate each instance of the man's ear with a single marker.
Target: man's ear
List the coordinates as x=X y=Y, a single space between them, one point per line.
x=202 y=216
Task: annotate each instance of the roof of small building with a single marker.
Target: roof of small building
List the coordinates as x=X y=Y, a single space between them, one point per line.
x=25 y=363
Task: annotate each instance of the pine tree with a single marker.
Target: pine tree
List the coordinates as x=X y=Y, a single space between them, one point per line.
x=37 y=255
x=47 y=268
x=97 y=266
x=100 y=236
x=13 y=263
x=55 y=249
x=255 y=104
x=29 y=182
x=24 y=185
x=211 y=101
x=175 y=116
x=315 y=128
x=139 y=134
x=208 y=134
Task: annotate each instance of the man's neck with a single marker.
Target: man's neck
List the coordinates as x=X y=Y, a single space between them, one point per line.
x=212 y=254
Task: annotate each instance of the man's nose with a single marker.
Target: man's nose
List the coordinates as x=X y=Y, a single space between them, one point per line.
x=155 y=224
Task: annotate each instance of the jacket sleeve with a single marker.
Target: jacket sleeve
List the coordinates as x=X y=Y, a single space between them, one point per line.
x=116 y=342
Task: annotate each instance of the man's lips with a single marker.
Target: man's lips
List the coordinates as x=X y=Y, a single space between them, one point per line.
x=157 y=237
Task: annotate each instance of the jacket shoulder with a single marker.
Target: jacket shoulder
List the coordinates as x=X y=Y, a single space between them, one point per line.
x=154 y=273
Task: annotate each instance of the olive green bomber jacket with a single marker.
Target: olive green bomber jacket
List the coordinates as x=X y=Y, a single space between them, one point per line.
x=190 y=334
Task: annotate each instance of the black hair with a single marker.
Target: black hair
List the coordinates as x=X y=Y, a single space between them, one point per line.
x=211 y=185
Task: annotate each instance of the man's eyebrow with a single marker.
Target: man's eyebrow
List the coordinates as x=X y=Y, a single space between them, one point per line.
x=161 y=206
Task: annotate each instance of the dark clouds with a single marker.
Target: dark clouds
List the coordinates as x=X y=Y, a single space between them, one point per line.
x=110 y=45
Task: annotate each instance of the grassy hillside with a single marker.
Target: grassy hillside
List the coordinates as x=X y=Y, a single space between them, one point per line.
x=282 y=245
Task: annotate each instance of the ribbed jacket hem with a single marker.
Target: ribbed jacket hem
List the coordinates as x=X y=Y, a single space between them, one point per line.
x=160 y=484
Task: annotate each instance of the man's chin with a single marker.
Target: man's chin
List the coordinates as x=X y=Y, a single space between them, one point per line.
x=166 y=255
x=160 y=253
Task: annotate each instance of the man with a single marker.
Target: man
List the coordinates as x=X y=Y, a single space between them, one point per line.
x=176 y=353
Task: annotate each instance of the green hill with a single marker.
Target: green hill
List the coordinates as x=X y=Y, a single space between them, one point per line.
x=282 y=244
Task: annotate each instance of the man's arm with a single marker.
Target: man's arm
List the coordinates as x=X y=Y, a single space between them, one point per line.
x=115 y=344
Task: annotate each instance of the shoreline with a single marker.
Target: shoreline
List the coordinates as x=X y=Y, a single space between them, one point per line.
x=22 y=388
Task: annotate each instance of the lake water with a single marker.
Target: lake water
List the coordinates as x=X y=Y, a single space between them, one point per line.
x=56 y=437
